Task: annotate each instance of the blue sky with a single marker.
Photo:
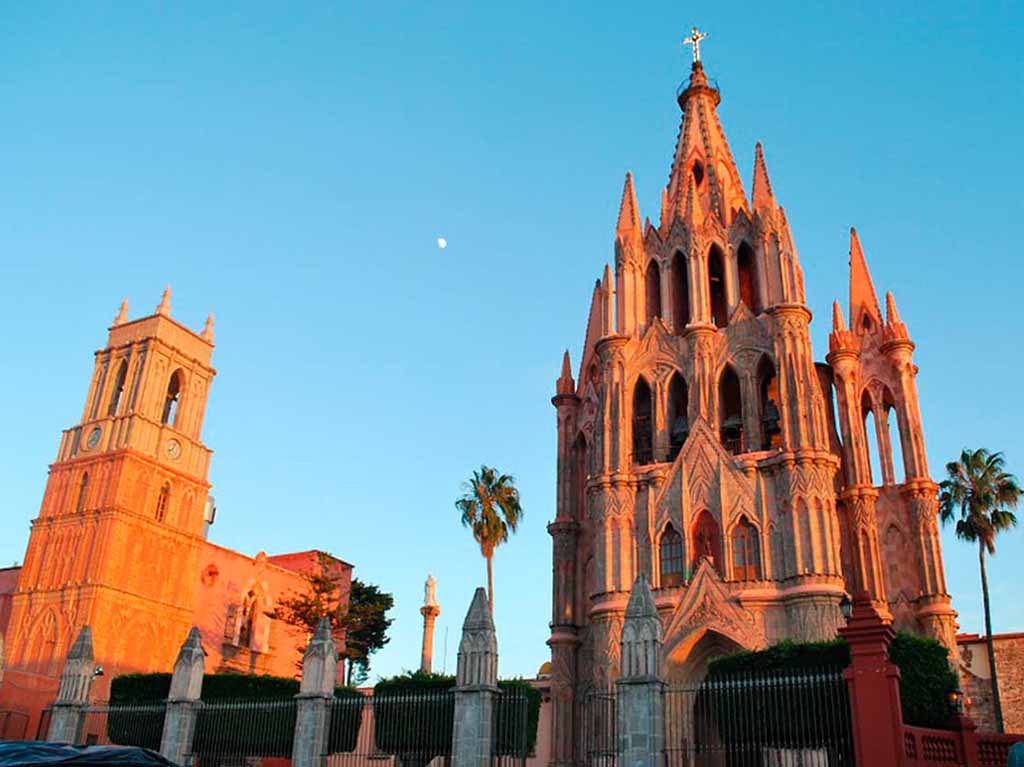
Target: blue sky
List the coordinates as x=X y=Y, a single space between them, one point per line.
x=291 y=168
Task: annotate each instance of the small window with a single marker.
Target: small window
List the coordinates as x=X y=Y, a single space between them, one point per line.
x=162 y=501
x=643 y=434
x=671 y=550
x=698 y=173
x=746 y=559
x=730 y=411
x=170 y=413
x=115 y=395
x=680 y=293
x=747 y=270
x=707 y=541
x=678 y=420
x=652 y=287
x=771 y=419
x=716 y=286
x=82 y=490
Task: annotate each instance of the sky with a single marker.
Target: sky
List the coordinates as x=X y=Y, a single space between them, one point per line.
x=290 y=167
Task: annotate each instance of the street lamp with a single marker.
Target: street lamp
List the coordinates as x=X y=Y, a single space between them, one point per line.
x=846 y=607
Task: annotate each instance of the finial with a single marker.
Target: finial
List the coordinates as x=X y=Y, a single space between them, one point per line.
x=208 y=328
x=629 y=213
x=762 y=196
x=838 y=323
x=565 y=383
x=694 y=39
x=122 y=313
x=164 y=307
x=891 y=315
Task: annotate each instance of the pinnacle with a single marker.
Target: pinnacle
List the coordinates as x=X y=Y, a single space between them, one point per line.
x=323 y=630
x=565 y=383
x=641 y=600
x=208 y=328
x=891 y=315
x=862 y=290
x=194 y=638
x=693 y=213
x=629 y=213
x=479 y=615
x=566 y=368
x=164 y=306
x=82 y=648
x=763 y=197
x=838 y=323
x=122 y=313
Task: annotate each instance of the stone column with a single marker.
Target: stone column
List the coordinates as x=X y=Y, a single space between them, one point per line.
x=641 y=692
x=73 y=693
x=319 y=665
x=430 y=610
x=183 y=700
x=873 y=682
x=476 y=687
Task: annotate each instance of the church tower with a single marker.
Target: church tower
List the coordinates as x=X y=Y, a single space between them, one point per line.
x=122 y=520
x=697 y=446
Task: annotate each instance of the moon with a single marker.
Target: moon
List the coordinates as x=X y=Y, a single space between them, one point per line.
x=442 y=243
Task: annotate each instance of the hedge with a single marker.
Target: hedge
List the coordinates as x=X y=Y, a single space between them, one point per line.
x=414 y=715
x=216 y=726
x=926 y=680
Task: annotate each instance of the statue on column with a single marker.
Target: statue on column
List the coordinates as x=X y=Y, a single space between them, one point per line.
x=430 y=610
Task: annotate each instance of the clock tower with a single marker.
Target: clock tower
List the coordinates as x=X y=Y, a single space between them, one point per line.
x=117 y=540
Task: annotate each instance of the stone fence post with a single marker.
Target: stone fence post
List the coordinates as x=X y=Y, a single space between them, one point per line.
x=73 y=693
x=873 y=683
x=319 y=664
x=183 y=699
x=640 y=689
x=476 y=687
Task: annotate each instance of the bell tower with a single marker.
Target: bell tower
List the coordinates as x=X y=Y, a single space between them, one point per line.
x=117 y=539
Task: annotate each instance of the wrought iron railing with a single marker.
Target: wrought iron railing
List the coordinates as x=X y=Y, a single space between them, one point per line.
x=122 y=724
x=229 y=732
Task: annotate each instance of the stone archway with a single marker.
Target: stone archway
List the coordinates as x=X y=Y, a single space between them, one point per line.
x=687 y=662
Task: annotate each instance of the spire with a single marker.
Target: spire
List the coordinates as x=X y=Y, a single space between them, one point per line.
x=319 y=662
x=892 y=317
x=478 y=650
x=164 y=307
x=122 y=314
x=565 y=383
x=608 y=295
x=187 y=679
x=692 y=208
x=703 y=153
x=763 y=198
x=838 y=323
x=862 y=290
x=895 y=330
x=208 y=328
x=641 y=633
x=629 y=213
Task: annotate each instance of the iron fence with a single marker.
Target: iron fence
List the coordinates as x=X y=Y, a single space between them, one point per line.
x=598 y=727
x=510 y=742
x=792 y=719
x=122 y=724
x=233 y=732
x=13 y=725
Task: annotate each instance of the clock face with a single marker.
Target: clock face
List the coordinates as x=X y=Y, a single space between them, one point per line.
x=93 y=438
x=173 y=449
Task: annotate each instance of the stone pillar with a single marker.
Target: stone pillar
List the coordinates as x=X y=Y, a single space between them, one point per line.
x=319 y=665
x=476 y=687
x=183 y=700
x=641 y=692
x=873 y=683
x=73 y=693
x=430 y=610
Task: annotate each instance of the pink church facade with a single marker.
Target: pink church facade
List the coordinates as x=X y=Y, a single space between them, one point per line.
x=702 y=447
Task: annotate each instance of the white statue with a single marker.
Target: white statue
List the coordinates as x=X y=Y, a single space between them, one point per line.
x=430 y=592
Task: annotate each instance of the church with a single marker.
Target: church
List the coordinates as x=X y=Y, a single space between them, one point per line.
x=702 y=447
x=120 y=543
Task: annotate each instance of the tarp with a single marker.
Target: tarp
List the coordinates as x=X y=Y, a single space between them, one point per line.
x=35 y=753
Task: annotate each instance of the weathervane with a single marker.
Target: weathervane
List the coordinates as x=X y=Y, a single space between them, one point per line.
x=694 y=39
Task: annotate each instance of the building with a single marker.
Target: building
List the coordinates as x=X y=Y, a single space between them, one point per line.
x=976 y=679
x=120 y=540
x=702 y=447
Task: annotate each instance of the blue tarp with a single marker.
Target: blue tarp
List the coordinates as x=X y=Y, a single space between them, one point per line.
x=36 y=754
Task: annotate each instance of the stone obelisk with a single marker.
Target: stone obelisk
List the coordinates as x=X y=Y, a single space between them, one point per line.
x=430 y=610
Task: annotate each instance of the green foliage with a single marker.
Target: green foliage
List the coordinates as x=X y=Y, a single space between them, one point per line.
x=926 y=679
x=978 y=493
x=366 y=624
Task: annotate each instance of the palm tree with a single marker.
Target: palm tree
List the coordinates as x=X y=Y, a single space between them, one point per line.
x=490 y=508
x=978 y=493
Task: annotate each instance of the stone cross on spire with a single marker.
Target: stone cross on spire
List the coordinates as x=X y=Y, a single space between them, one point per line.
x=694 y=39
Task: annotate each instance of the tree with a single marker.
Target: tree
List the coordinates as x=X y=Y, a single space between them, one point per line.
x=978 y=493
x=490 y=508
x=362 y=624
x=366 y=624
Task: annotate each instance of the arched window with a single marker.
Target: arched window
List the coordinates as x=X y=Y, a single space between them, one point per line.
x=707 y=541
x=870 y=439
x=680 y=292
x=671 y=550
x=730 y=411
x=115 y=395
x=678 y=420
x=579 y=476
x=248 y=620
x=698 y=173
x=716 y=287
x=746 y=552
x=748 y=278
x=768 y=390
x=83 y=488
x=161 y=502
x=170 y=414
x=652 y=285
x=896 y=443
x=643 y=434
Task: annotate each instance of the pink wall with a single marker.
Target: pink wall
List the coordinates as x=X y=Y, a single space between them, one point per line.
x=8 y=583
